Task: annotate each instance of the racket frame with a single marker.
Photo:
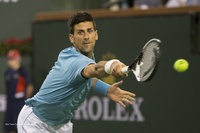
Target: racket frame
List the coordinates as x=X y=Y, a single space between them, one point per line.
x=136 y=62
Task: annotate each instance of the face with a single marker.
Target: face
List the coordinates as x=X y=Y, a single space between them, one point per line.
x=84 y=38
x=13 y=63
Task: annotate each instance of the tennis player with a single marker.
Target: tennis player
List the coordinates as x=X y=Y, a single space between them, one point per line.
x=66 y=86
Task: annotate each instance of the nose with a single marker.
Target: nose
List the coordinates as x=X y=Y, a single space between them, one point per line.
x=86 y=37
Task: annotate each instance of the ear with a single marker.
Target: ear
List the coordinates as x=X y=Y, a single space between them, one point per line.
x=71 y=38
x=96 y=34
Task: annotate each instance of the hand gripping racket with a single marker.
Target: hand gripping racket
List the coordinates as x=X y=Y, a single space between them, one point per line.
x=146 y=63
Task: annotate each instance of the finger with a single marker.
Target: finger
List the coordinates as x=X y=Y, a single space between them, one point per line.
x=130 y=98
x=122 y=104
x=129 y=94
x=116 y=75
x=127 y=101
x=117 y=84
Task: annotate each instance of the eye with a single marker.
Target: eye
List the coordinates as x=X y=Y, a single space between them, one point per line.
x=80 y=32
x=90 y=31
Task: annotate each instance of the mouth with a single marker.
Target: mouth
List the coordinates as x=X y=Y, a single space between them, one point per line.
x=86 y=42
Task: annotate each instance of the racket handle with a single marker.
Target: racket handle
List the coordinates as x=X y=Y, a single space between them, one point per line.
x=125 y=70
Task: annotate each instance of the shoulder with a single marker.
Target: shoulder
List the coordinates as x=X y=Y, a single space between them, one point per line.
x=70 y=51
x=67 y=52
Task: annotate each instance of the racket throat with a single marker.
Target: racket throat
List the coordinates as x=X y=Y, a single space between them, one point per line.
x=137 y=73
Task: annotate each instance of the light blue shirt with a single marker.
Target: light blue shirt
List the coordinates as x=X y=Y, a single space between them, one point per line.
x=63 y=90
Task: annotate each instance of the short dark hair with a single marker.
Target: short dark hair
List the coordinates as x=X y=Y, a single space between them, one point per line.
x=79 y=17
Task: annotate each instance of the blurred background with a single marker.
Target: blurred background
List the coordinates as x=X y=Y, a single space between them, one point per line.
x=168 y=103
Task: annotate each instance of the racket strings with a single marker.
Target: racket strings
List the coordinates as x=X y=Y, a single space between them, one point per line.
x=148 y=61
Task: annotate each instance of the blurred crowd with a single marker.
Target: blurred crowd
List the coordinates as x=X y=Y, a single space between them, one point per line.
x=145 y=4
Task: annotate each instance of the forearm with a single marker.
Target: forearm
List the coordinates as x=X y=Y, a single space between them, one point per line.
x=95 y=70
x=103 y=69
x=100 y=69
x=29 y=91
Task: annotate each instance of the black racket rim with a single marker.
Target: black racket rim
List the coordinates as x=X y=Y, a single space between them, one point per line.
x=157 y=60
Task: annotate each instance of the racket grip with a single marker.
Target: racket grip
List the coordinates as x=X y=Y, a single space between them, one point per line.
x=125 y=70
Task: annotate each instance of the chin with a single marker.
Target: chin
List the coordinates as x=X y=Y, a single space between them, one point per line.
x=87 y=52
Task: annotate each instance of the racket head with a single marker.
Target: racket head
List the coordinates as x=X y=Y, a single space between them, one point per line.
x=145 y=65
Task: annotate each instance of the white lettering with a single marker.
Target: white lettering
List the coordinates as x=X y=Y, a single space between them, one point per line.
x=97 y=115
x=106 y=110
x=136 y=114
x=84 y=112
x=121 y=114
x=99 y=108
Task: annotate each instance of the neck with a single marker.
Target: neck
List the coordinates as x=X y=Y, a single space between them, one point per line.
x=16 y=67
x=89 y=54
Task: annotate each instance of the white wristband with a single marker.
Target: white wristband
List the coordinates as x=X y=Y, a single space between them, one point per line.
x=108 y=65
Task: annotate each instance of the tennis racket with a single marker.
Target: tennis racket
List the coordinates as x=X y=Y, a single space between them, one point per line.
x=146 y=63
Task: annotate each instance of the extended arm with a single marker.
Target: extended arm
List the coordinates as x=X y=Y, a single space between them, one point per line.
x=98 y=70
x=114 y=92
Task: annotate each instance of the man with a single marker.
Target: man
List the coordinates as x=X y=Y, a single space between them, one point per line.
x=18 y=88
x=67 y=84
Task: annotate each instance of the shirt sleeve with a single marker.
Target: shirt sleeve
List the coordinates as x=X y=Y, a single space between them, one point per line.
x=72 y=65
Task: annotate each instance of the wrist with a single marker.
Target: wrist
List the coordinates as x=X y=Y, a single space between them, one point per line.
x=108 y=66
x=101 y=87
